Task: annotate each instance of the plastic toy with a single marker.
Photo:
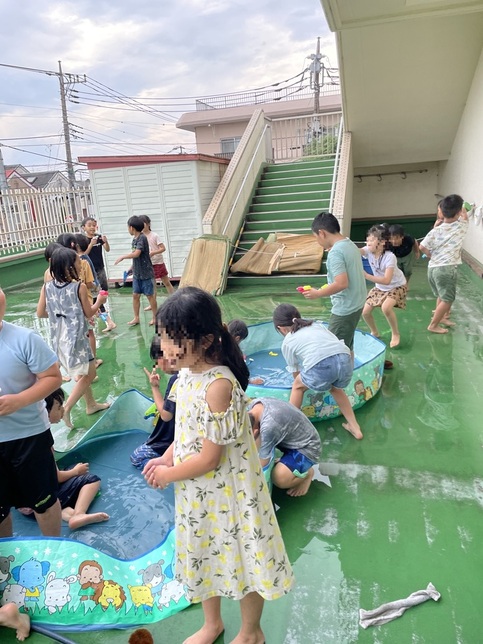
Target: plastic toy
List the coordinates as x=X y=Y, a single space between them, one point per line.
x=301 y=289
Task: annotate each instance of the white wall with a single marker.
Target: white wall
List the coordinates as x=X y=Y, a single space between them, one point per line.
x=393 y=196
x=463 y=173
x=169 y=193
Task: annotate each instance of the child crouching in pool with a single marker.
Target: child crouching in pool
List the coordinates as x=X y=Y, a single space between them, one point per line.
x=228 y=543
x=318 y=360
x=77 y=488
x=278 y=424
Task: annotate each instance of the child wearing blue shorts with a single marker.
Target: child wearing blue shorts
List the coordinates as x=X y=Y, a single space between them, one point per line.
x=278 y=424
x=318 y=360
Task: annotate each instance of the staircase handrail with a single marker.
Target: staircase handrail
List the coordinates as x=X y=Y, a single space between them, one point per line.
x=245 y=177
x=226 y=200
x=336 y=165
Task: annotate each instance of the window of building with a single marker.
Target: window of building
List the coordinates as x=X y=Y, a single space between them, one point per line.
x=228 y=146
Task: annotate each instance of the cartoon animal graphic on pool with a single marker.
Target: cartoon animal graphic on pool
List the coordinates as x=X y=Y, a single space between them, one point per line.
x=31 y=576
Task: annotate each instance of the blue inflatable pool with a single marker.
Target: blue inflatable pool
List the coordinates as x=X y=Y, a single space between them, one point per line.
x=268 y=376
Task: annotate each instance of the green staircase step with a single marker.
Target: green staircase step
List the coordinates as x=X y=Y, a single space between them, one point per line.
x=276 y=197
x=314 y=206
x=281 y=180
x=294 y=173
x=317 y=163
x=284 y=187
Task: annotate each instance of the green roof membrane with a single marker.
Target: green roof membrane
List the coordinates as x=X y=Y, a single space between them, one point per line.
x=384 y=516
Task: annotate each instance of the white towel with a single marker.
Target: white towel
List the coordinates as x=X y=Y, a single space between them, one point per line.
x=392 y=610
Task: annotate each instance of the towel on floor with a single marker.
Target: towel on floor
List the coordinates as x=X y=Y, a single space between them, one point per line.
x=392 y=610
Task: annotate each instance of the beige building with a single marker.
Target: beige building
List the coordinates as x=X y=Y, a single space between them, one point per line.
x=218 y=131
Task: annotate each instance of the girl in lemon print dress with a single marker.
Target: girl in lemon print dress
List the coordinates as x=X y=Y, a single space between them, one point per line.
x=228 y=543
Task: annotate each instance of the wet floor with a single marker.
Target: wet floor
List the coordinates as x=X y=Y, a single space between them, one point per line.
x=386 y=515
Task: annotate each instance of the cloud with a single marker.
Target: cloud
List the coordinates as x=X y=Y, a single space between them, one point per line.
x=172 y=48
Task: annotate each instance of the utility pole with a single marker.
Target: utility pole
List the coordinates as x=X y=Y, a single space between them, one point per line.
x=3 y=176
x=65 y=123
x=315 y=69
x=72 y=79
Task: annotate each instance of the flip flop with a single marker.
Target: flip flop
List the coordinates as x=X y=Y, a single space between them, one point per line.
x=388 y=364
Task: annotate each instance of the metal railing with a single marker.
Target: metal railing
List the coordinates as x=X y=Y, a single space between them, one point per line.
x=259 y=97
x=305 y=136
x=29 y=219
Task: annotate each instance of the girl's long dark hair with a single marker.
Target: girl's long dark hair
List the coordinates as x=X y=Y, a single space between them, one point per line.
x=62 y=265
x=193 y=314
x=289 y=316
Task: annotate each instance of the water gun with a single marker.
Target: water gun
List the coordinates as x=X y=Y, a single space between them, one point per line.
x=301 y=289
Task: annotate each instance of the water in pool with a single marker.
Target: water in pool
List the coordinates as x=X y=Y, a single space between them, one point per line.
x=269 y=365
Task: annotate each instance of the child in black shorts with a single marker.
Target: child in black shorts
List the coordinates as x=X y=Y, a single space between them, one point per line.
x=77 y=488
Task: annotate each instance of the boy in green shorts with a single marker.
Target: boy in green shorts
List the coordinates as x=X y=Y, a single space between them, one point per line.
x=346 y=284
x=443 y=247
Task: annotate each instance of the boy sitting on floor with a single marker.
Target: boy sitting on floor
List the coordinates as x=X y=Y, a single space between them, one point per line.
x=280 y=425
x=77 y=488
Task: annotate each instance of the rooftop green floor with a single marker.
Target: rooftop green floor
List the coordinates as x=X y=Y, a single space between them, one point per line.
x=385 y=515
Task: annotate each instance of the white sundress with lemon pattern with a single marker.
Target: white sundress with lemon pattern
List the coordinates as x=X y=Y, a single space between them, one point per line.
x=228 y=542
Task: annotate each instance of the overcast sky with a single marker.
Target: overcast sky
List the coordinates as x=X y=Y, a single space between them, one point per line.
x=142 y=49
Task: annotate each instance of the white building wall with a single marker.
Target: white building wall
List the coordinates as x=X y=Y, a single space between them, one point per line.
x=392 y=196
x=209 y=177
x=169 y=193
x=463 y=173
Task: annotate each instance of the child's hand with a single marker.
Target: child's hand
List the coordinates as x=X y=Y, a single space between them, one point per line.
x=311 y=294
x=81 y=469
x=119 y=259
x=102 y=299
x=153 y=377
x=160 y=477
x=9 y=403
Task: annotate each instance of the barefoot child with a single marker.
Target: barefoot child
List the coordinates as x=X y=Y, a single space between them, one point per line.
x=142 y=269
x=96 y=244
x=280 y=425
x=405 y=247
x=443 y=246
x=228 y=540
x=163 y=433
x=77 y=488
x=318 y=361
x=11 y=617
x=65 y=302
x=390 y=288
x=156 y=250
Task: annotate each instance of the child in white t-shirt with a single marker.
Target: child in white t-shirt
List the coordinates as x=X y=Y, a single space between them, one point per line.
x=390 y=290
x=156 y=250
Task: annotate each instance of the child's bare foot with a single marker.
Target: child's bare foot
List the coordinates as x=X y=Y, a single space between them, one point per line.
x=302 y=488
x=152 y=323
x=447 y=322
x=355 y=431
x=95 y=408
x=256 y=638
x=147 y=308
x=66 y=418
x=375 y=334
x=80 y=520
x=437 y=329
x=99 y=361
x=395 y=340
x=11 y=617
x=66 y=378
x=110 y=326
x=133 y=322
x=206 y=634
